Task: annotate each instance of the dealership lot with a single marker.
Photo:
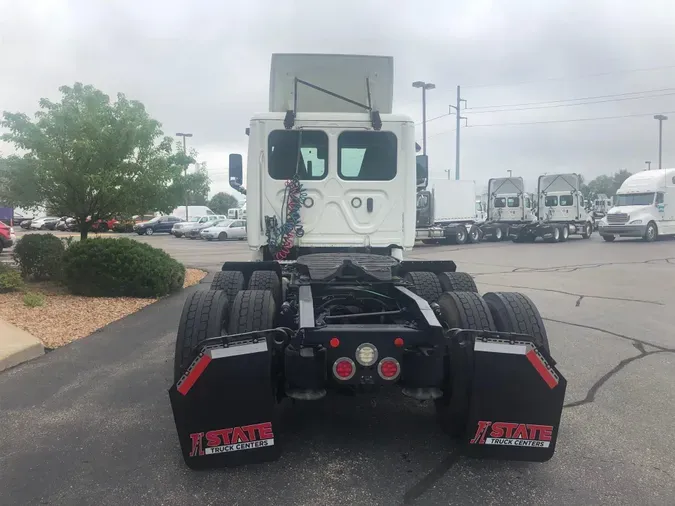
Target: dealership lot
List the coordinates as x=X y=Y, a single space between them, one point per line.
x=100 y=429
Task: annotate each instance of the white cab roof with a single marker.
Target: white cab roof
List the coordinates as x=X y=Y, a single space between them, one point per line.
x=648 y=181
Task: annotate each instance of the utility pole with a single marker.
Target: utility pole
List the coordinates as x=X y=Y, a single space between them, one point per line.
x=661 y=118
x=649 y=165
x=457 y=107
x=510 y=172
x=425 y=87
x=183 y=135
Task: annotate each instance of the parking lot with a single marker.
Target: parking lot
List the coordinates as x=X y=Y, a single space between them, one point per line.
x=91 y=422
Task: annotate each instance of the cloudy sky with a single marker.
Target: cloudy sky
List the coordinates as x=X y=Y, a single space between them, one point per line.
x=203 y=67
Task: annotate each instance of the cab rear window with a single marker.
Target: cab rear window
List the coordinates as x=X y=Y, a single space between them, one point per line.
x=367 y=156
x=301 y=151
x=551 y=201
x=500 y=202
x=513 y=202
x=566 y=200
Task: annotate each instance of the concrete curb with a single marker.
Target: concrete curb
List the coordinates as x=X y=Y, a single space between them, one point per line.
x=17 y=346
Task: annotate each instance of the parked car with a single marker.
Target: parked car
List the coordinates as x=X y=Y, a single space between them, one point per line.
x=46 y=223
x=204 y=222
x=26 y=224
x=224 y=229
x=158 y=225
x=103 y=225
x=179 y=229
x=7 y=237
x=66 y=224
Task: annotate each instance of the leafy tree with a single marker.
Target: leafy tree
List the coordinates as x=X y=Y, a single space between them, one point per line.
x=604 y=184
x=221 y=202
x=86 y=156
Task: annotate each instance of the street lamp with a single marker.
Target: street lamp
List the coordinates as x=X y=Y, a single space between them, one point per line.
x=661 y=118
x=184 y=135
x=425 y=87
x=649 y=165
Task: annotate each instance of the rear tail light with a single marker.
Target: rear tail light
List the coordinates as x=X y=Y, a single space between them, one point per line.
x=344 y=368
x=389 y=368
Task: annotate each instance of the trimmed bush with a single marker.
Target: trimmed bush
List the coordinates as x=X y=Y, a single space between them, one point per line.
x=32 y=299
x=39 y=256
x=10 y=279
x=120 y=268
x=124 y=227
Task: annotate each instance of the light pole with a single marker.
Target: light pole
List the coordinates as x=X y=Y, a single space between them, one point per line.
x=661 y=118
x=649 y=165
x=425 y=87
x=184 y=135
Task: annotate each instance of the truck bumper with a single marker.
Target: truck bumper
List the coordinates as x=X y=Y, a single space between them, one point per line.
x=623 y=230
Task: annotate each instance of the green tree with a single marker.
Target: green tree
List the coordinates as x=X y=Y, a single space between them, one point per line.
x=221 y=202
x=86 y=156
x=605 y=184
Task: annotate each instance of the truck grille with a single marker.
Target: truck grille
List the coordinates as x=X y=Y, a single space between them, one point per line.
x=617 y=219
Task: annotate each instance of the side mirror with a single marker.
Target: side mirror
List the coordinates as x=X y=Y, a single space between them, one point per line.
x=237 y=173
x=422 y=168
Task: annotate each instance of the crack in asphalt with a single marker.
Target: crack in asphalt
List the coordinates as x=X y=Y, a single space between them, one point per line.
x=580 y=296
x=574 y=268
x=436 y=473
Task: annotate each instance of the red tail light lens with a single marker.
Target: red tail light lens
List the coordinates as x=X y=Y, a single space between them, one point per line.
x=344 y=368
x=334 y=342
x=389 y=368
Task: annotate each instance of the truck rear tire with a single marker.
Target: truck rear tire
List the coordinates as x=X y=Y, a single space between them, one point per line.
x=252 y=310
x=462 y=235
x=498 y=235
x=205 y=314
x=457 y=282
x=474 y=235
x=555 y=232
x=515 y=312
x=609 y=238
x=266 y=280
x=469 y=311
x=425 y=284
x=564 y=233
x=231 y=282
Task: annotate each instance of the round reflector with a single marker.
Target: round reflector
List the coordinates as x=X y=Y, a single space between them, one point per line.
x=398 y=342
x=334 y=342
x=344 y=368
x=389 y=368
x=366 y=354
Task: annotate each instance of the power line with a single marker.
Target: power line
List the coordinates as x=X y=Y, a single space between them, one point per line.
x=555 y=106
x=569 y=78
x=598 y=118
x=571 y=99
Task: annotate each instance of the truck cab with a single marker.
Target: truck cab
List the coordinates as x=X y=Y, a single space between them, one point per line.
x=324 y=171
x=508 y=205
x=644 y=206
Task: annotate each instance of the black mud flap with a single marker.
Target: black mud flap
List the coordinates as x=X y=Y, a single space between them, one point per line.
x=516 y=401
x=224 y=407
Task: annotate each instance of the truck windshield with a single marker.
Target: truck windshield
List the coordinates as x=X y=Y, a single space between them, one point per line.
x=282 y=148
x=367 y=156
x=634 y=199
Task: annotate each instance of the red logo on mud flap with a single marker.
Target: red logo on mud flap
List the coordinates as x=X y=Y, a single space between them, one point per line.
x=234 y=439
x=513 y=434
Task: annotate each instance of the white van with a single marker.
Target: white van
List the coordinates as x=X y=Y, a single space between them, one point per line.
x=192 y=211
x=644 y=207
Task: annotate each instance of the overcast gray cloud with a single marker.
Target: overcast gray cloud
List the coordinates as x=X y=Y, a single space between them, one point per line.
x=203 y=67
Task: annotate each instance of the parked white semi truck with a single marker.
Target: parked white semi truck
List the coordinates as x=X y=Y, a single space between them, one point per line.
x=327 y=303
x=446 y=212
x=560 y=211
x=644 y=207
x=508 y=205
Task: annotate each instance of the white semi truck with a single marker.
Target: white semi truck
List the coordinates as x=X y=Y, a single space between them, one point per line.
x=327 y=302
x=644 y=207
x=560 y=211
x=446 y=212
x=508 y=205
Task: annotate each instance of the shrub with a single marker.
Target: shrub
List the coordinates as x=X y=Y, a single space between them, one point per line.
x=39 y=256
x=123 y=227
x=32 y=299
x=10 y=279
x=120 y=268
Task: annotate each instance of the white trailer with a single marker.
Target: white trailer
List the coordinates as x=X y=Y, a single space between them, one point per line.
x=644 y=207
x=447 y=212
x=560 y=211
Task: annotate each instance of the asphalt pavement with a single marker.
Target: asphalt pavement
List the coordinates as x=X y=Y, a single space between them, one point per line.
x=91 y=422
